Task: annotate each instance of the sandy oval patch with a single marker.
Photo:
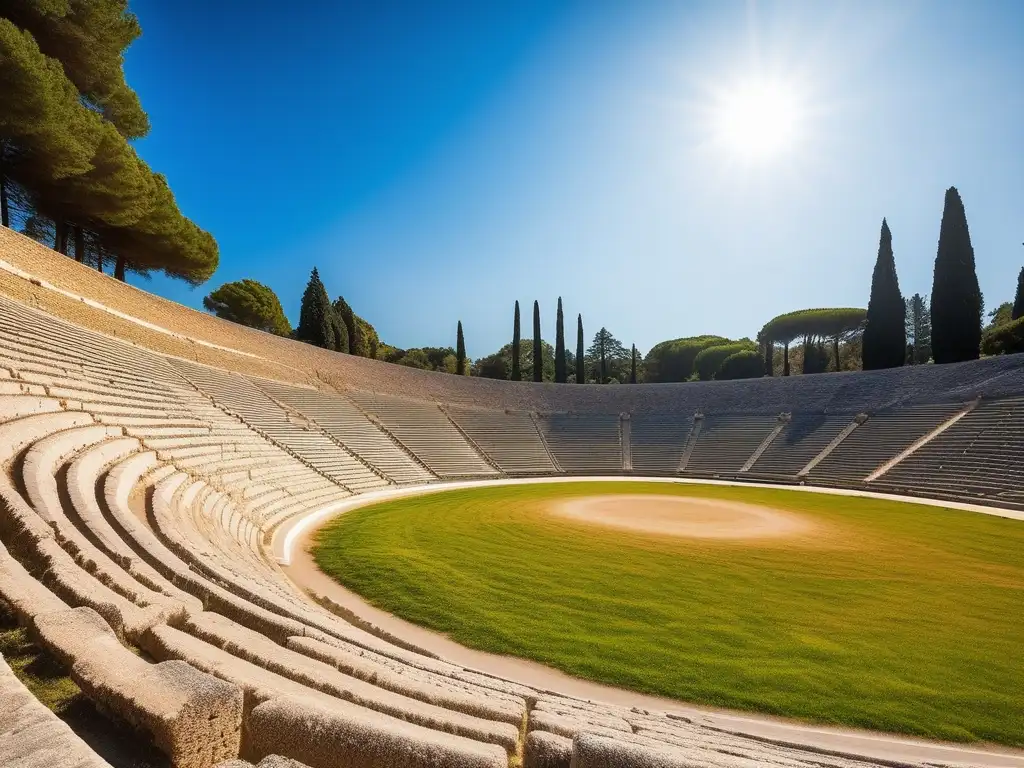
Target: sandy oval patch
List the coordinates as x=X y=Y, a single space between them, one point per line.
x=684 y=516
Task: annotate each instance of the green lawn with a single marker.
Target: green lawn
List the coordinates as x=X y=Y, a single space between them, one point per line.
x=897 y=617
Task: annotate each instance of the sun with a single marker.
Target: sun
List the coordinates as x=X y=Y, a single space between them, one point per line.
x=757 y=119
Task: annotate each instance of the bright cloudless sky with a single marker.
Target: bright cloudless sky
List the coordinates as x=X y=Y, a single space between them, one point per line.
x=439 y=160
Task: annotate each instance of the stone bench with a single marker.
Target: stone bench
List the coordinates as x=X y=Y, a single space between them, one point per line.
x=429 y=687
x=22 y=593
x=351 y=735
x=31 y=736
x=546 y=750
x=192 y=717
x=17 y=406
x=259 y=650
x=323 y=736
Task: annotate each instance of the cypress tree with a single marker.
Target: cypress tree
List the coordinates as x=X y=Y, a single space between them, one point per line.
x=517 y=374
x=956 y=296
x=1018 y=301
x=769 y=358
x=885 y=335
x=348 y=317
x=632 y=367
x=604 y=363
x=339 y=333
x=538 y=353
x=581 y=375
x=460 y=352
x=316 y=315
x=560 y=372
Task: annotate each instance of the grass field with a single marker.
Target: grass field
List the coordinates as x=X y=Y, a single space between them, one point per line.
x=896 y=617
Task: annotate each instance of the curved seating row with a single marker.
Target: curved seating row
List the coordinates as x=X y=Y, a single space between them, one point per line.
x=341 y=419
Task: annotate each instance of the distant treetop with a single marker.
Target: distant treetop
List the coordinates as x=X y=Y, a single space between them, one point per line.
x=249 y=303
x=824 y=322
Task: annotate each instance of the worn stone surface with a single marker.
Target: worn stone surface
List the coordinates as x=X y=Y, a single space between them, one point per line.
x=546 y=750
x=428 y=687
x=26 y=596
x=31 y=736
x=249 y=645
x=324 y=736
x=191 y=716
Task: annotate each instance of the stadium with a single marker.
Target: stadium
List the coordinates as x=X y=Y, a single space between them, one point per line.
x=162 y=476
x=228 y=542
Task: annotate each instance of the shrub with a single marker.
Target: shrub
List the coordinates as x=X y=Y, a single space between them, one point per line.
x=673 y=360
x=1004 y=339
x=709 y=360
x=741 y=365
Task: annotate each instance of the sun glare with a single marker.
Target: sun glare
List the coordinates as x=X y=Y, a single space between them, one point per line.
x=757 y=119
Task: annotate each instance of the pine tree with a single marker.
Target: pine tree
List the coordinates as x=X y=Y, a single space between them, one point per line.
x=316 y=315
x=89 y=39
x=249 y=303
x=538 y=354
x=919 y=330
x=609 y=356
x=581 y=376
x=460 y=352
x=956 y=303
x=632 y=367
x=1018 y=301
x=517 y=374
x=885 y=335
x=560 y=372
x=67 y=114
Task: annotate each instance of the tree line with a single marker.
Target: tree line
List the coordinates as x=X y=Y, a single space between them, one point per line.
x=328 y=324
x=895 y=331
x=605 y=361
x=70 y=178
x=950 y=327
x=69 y=175
x=892 y=331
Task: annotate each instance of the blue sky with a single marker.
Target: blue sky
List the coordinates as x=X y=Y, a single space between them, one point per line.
x=437 y=161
